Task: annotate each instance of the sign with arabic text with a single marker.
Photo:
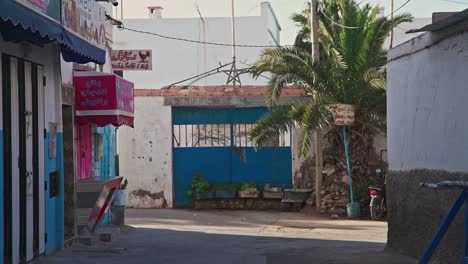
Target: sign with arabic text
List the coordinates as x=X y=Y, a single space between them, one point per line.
x=50 y=8
x=344 y=115
x=85 y=18
x=132 y=60
x=103 y=99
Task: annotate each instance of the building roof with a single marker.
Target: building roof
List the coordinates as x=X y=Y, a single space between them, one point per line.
x=445 y=23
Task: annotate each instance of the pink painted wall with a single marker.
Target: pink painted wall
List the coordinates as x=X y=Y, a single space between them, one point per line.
x=85 y=165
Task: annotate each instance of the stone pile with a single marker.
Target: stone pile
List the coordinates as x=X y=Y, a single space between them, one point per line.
x=334 y=200
x=335 y=189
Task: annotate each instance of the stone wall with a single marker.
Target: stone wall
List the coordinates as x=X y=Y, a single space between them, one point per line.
x=415 y=213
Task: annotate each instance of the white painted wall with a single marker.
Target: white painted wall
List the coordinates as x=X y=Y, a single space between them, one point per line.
x=176 y=60
x=427 y=109
x=145 y=152
x=400 y=35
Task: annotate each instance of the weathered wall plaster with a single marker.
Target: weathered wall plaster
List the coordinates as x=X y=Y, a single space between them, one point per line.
x=145 y=152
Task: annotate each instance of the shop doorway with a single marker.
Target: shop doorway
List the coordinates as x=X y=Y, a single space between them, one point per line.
x=69 y=172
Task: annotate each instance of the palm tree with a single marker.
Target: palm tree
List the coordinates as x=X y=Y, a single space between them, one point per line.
x=351 y=71
x=302 y=21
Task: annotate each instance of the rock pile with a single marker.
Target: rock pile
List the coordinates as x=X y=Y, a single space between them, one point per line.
x=334 y=200
x=335 y=186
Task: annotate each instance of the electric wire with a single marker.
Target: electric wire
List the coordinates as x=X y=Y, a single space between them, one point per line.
x=396 y=10
x=457 y=2
x=202 y=42
x=332 y=21
x=201 y=74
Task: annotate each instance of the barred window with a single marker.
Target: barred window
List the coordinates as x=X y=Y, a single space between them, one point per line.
x=219 y=135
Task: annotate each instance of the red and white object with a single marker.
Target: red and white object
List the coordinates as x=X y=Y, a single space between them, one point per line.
x=103 y=99
x=344 y=115
x=132 y=60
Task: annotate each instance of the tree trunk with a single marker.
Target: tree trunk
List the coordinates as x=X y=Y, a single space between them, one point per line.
x=361 y=152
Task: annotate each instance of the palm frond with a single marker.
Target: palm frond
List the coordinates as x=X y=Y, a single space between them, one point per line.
x=275 y=121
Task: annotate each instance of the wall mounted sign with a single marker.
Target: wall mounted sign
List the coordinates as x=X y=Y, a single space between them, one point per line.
x=49 y=8
x=344 y=115
x=85 y=18
x=103 y=99
x=132 y=60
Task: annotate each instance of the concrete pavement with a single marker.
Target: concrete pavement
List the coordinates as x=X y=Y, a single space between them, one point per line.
x=250 y=237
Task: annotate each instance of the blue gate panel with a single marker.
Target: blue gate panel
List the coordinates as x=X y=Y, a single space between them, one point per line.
x=226 y=164
x=212 y=163
x=267 y=165
x=188 y=115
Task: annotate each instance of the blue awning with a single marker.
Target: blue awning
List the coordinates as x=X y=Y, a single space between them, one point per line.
x=18 y=23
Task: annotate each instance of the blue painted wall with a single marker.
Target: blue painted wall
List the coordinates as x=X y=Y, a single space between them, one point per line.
x=266 y=165
x=224 y=165
x=54 y=207
x=105 y=168
x=271 y=165
x=189 y=115
x=1 y=197
x=210 y=162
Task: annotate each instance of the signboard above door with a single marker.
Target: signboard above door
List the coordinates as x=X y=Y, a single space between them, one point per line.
x=85 y=18
x=49 y=8
x=132 y=60
x=103 y=99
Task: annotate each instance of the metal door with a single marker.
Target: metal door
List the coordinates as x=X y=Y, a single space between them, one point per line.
x=215 y=143
x=24 y=197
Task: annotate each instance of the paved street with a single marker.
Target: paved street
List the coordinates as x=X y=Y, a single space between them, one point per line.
x=185 y=236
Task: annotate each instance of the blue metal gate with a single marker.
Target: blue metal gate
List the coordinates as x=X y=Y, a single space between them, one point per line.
x=215 y=143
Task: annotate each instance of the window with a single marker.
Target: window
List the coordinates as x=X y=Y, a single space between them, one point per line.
x=242 y=139
x=219 y=135
x=206 y=135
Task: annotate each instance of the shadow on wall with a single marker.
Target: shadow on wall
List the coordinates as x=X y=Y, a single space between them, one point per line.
x=304 y=177
x=415 y=214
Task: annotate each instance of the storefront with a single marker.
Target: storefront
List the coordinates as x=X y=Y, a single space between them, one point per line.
x=103 y=102
x=31 y=139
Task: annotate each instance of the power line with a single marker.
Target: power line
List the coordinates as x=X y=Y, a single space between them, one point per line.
x=406 y=30
x=201 y=74
x=203 y=42
x=333 y=22
x=457 y=2
x=403 y=5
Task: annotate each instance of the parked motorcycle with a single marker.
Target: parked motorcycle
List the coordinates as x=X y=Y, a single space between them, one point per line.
x=378 y=203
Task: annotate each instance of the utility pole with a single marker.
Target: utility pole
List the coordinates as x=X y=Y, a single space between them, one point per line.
x=391 y=16
x=233 y=75
x=314 y=39
x=233 y=21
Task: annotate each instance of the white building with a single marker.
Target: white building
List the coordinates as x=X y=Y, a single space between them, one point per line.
x=426 y=107
x=146 y=151
x=175 y=60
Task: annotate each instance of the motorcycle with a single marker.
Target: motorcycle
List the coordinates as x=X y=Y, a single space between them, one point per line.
x=378 y=203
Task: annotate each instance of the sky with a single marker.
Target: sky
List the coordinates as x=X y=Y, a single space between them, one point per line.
x=283 y=9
